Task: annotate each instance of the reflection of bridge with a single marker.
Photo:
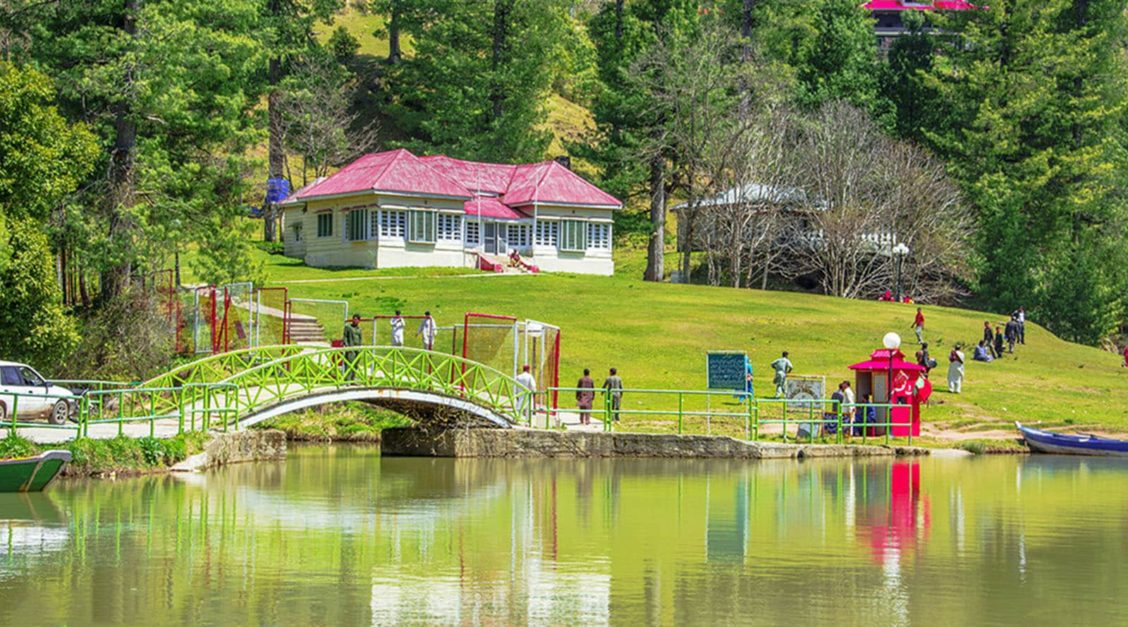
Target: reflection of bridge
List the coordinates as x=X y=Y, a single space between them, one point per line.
x=242 y=388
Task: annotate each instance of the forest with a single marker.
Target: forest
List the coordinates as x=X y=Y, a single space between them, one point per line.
x=990 y=141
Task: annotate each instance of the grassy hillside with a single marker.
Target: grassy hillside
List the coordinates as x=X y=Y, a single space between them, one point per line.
x=657 y=335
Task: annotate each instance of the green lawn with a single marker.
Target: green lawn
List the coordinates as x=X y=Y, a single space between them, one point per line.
x=657 y=336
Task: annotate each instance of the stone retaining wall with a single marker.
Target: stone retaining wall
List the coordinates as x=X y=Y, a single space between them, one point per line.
x=416 y=442
x=250 y=445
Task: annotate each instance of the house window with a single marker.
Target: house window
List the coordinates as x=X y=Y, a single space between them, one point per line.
x=325 y=225
x=547 y=232
x=356 y=225
x=422 y=227
x=297 y=231
x=450 y=228
x=392 y=224
x=599 y=235
x=573 y=235
x=473 y=233
x=519 y=235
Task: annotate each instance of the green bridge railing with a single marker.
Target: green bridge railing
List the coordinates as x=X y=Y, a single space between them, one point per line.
x=220 y=391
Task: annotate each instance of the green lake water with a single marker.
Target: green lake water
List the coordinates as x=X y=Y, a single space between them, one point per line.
x=338 y=535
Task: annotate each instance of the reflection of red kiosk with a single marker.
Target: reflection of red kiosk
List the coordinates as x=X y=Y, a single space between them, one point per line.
x=873 y=377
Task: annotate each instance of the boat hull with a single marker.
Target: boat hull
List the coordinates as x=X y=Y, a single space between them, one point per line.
x=1039 y=441
x=32 y=474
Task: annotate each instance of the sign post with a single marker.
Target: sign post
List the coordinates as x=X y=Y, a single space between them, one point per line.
x=728 y=370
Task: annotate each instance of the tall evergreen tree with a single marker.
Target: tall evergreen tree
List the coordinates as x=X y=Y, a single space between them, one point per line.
x=1038 y=144
x=479 y=76
x=169 y=87
x=628 y=149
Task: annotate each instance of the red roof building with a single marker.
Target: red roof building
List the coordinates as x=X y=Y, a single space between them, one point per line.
x=397 y=209
x=888 y=15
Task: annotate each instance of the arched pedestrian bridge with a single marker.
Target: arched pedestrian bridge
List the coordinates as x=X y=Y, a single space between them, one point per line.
x=242 y=388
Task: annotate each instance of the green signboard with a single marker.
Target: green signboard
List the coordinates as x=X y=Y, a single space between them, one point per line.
x=726 y=370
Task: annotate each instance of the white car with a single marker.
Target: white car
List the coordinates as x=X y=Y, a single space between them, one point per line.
x=38 y=397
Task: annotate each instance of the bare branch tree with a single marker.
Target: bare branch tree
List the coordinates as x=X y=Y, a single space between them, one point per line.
x=317 y=123
x=868 y=192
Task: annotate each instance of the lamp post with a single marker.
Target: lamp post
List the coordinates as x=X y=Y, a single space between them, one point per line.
x=892 y=342
x=900 y=251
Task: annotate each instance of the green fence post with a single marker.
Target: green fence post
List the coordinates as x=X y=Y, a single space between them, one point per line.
x=121 y=413
x=207 y=409
x=180 y=411
x=152 y=415
x=748 y=420
x=15 y=410
x=681 y=412
x=838 y=417
x=607 y=410
x=755 y=405
x=784 y=401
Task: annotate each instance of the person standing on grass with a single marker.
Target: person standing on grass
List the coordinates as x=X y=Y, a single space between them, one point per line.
x=988 y=337
x=1012 y=334
x=526 y=393
x=1020 y=318
x=782 y=368
x=999 y=340
x=849 y=411
x=955 y=370
x=614 y=386
x=352 y=337
x=427 y=330
x=1126 y=355
x=397 y=329
x=918 y=326
x=585 y=395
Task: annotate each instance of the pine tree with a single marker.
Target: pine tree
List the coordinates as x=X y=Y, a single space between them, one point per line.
x=1036 y=137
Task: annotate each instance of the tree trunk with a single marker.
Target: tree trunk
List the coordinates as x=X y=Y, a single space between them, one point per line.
x=276 y=154
x=393 y=34
x=500 y=36
x=618 y=21
x=115 y=277
x=656 y=248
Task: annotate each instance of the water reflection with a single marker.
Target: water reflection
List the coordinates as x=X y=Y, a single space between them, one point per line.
x=339 y=535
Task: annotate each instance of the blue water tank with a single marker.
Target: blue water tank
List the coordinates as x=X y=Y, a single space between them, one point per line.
x=277 y=190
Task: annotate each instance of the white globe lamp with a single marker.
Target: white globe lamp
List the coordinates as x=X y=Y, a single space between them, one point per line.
x=891 y=341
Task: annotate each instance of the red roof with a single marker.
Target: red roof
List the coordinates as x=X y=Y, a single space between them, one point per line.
x=900 y=5
x=504 y=187
x=491 y=207
x=474 y=175
x=550 y=182
x=879 y=360
x=392 y=171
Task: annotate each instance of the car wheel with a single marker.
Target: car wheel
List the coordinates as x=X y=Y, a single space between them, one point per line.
x=59 y=413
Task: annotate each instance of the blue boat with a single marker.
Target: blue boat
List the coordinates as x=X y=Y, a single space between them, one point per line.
x=1039 y=441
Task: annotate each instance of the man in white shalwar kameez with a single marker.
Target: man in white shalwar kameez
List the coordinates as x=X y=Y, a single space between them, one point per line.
x=427 y=330
x=526 y=393
x=397 y=329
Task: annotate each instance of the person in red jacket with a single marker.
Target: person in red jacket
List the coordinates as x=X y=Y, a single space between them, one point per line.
x=1126 y=356
x=918 y=326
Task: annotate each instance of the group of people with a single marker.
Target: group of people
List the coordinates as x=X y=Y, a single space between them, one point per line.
x=990 y=348
x=353 y=337
x=852 y=417
x=888 y=297
x=585 y=394
x=994 y=340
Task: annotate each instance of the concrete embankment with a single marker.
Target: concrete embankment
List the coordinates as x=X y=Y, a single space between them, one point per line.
x=252 y=445
x=415 y=442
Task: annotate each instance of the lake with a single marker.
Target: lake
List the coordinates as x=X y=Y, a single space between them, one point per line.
x=338 y=535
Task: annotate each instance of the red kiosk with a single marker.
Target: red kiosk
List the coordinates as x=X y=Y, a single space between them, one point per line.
x=910 y=386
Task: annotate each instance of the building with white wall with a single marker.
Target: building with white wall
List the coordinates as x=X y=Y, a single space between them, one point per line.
x=394 y=209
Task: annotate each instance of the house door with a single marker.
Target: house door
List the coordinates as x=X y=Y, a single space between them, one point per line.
x=494 y=241
x=489 y=237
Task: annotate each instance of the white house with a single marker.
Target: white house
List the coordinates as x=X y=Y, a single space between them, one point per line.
x=394 y=209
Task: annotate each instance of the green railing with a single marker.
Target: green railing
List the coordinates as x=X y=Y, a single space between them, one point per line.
x=712 y=412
